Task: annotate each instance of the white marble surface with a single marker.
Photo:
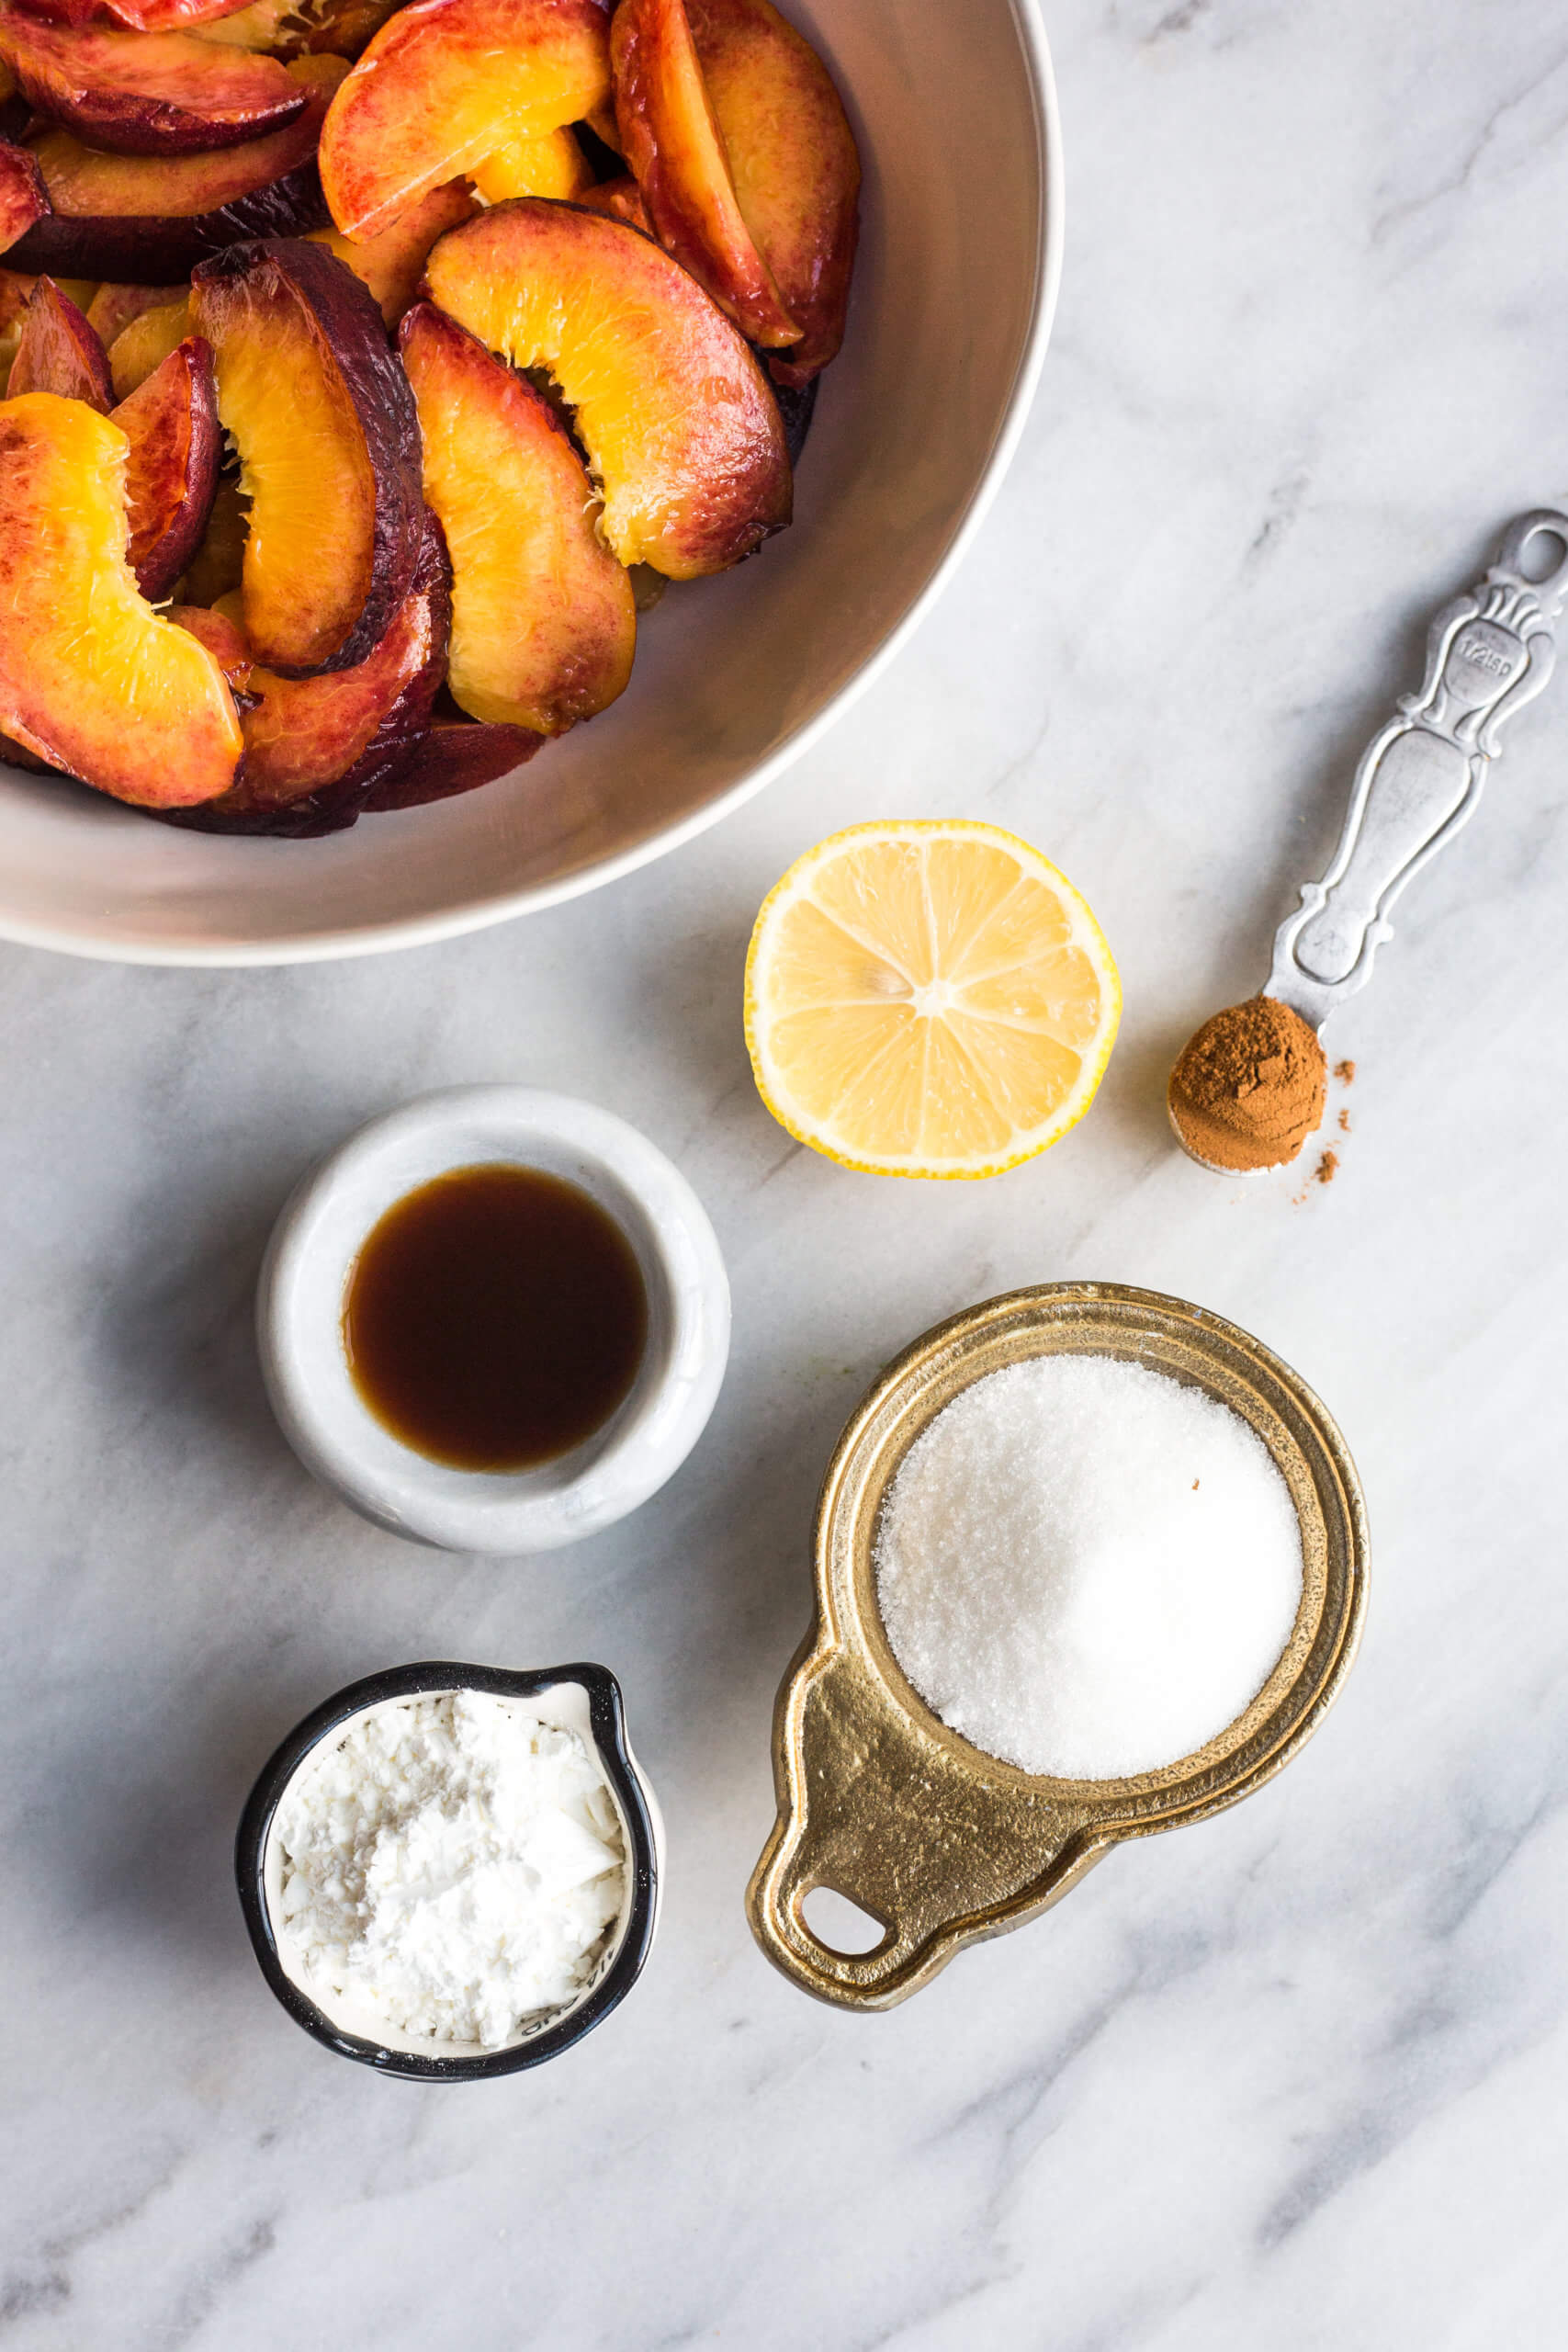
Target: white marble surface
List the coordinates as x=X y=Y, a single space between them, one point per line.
x=1298 y=2077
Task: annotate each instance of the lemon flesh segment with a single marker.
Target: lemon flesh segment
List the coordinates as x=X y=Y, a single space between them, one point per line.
x=929 y=1000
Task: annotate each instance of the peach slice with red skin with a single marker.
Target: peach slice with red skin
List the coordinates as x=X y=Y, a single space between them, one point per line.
x=171 y=424
x=797 y=405
x=621 y=199
x=681 y=430
x=392 y=264
x=328 y=446
x=544 y=628
x=793 y=162
x=59 y=352
x=145 y=94
x=17 y=285
x=601 y=121
x=134 y=16
x=16 y=755
x=314 y=746
x=146 y=341
x=170 y=473
x=15 y=289
x=448 y=83
x=24 y=200
x=113 y=307
x=290 y=29
x=92 y=680
x=673 y=142
x=454 y=755
x=16 y=292
x=156 y=217
x=223 y=634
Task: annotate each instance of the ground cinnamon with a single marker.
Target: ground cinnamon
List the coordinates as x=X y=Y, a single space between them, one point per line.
x=1248 y=1088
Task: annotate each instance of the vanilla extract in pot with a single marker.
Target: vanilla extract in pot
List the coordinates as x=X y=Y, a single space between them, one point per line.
x=495 y=1318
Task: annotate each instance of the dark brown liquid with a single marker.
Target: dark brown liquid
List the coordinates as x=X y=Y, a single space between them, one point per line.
x=495 y=1318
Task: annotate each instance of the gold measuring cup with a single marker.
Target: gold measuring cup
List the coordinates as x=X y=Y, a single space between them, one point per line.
x=939 y=1842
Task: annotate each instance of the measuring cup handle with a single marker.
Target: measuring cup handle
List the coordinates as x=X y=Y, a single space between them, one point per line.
x=873 y=1807
x=787 y=1873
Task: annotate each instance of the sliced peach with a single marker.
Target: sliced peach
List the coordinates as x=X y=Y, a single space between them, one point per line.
x=622 y=200
x=452 y=757
x=797 y=405
x=601 y=121
x=553 y=165
x=304 y=733
x=218 y=565
x=16 y=292
x=544 y=627
x=91 y=678
x=145 y=94
x=23 y=197
x=16 y=755
x=794 y=163
x=673 y=142
x=57 y=352
x=15 y=285
x=289 y=29
x=314 y=745
x=328 y=437
x=221 y=628
x=146 y=342
x=135 y=15
x=448 y=83
x=15 y=289
x=155 y=217
x=113 y=306
x=392 y=264
x=681 y=430
x=171 y=474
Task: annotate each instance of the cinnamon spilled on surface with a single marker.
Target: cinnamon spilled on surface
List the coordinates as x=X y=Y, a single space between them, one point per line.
x=1248 y=1088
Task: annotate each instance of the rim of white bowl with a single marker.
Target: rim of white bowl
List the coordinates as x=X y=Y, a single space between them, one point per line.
x=298 y=1307
x=481 y=914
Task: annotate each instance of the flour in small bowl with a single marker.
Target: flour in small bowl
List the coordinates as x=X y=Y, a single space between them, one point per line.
x=452 y=1867
x=1088 y=1567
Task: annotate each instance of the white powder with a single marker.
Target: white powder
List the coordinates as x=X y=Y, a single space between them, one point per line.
x=1086 y=1567
x=451 y=1868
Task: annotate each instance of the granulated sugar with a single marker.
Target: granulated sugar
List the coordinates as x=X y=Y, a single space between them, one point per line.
x=1086 y=1567
x=452 y=1867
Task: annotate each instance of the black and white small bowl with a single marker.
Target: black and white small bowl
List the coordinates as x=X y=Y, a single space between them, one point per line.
x=581 y=1697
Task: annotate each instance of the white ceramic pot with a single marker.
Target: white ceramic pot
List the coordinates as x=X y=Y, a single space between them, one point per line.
x=304 y=1276
x=961 y=252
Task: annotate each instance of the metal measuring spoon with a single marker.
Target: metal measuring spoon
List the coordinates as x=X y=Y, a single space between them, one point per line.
x=1488 y=653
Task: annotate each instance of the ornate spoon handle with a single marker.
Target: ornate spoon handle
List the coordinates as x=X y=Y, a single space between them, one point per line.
x=1488 y=653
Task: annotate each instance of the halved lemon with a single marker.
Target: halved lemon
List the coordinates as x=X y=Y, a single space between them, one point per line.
x=929 y=999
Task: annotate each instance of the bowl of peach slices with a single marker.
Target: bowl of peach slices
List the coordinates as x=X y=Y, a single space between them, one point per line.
x=451 y=452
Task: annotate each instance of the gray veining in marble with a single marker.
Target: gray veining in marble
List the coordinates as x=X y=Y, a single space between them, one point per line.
x=1297 y=2079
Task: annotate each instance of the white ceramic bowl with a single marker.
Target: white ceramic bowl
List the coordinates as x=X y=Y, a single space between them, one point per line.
x=304 y=1276
x=961 y=252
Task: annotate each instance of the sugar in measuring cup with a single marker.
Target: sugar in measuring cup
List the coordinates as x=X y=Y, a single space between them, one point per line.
x=939 y=1841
